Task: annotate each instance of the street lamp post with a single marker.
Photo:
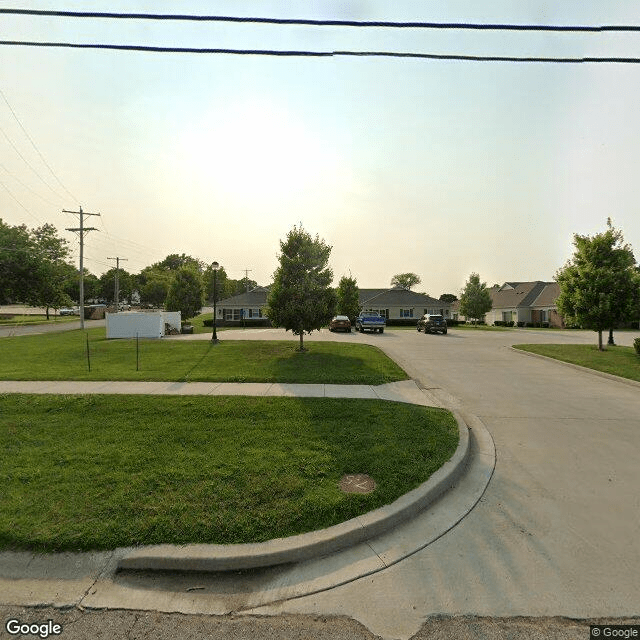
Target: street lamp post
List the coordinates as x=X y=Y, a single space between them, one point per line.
x=215 y=266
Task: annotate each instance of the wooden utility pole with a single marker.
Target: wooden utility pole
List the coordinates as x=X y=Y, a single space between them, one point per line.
x=81 y=231
x=117 y=259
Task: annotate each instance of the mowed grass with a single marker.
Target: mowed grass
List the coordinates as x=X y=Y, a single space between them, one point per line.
x=616 y=360
x=21 y=320
x=62 y=356
x=98 y=472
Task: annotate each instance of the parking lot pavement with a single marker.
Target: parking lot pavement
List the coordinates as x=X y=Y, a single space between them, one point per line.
x=556 y=532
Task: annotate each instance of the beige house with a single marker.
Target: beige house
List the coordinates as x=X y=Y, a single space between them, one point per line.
x=525 y=303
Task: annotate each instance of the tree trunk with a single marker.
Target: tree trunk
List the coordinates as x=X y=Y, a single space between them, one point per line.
x=47 y=312
x=600 y=340
x=301 y=344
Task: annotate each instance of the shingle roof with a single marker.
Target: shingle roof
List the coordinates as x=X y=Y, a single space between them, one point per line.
x=516 y=294
x=397 y=297
x=548 y=295
x=255 y=298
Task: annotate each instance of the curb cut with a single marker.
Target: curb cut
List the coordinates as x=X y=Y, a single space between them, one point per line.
x=577 y=367
x=211 y=558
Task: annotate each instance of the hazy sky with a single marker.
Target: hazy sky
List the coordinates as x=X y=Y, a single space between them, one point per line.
x=437 y=167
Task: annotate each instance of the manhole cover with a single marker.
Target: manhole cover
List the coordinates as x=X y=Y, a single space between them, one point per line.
x=357 y=483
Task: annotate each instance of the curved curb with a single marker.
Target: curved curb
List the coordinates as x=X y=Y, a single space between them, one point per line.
x=210 y=557
x=578 y=367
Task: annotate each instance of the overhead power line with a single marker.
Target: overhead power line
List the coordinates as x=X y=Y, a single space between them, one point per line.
x=321 y=23
x=327 y=54
x=33 y=144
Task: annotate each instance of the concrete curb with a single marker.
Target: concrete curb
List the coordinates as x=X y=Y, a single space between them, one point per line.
x=210 y=558
x=577 y=367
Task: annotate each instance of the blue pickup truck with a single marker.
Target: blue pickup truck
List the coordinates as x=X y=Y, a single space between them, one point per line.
x=370 y=321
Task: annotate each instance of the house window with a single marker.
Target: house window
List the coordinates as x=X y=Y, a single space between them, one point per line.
x=406 y=313
x=255 y=313
x=233 y=314
x=543 y=316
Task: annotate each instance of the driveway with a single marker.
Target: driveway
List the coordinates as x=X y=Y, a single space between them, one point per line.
x=556 y=533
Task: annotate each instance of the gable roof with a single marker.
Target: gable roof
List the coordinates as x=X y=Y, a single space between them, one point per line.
x=548 y=295
x=255 y=298
x=516 y=294
x=397 y=297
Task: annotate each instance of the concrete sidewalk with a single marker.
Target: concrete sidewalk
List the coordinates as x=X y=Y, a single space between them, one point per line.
x=403 y=391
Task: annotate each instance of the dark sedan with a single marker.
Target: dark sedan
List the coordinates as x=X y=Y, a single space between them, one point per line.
x=340 y=323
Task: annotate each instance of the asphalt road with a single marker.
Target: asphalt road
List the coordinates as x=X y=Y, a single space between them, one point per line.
x=552 y=544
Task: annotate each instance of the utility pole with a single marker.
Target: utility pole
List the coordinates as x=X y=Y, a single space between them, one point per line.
x=81 y=231
x=117 y=259
x=246 y=278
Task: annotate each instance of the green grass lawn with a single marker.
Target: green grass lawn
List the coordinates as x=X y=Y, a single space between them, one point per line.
x=619 y=361
x=62 y=356
x=98 y=472
x=18 y=321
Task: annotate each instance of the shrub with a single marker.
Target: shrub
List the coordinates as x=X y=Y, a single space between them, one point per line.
x=636 y=345
x=498 y=323
x=521 y=323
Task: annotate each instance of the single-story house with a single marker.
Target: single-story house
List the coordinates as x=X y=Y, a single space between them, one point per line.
x=247 y=306
x=401 y=304
x=525 y=302
x=393 y=304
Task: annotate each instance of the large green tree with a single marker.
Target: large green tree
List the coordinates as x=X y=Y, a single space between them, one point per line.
x=475 y=299
x=301 y=298
x=599 y=285
x=108 y=285
x=185 y=293
x=348 y=298
x=405 y=280
x=34 y=266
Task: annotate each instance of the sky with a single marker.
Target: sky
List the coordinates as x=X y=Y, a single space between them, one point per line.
x=441 y=168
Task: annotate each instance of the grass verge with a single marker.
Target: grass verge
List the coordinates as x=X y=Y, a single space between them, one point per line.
x=19 y=321
x=616 y=360
x=98 y=472
x=62 y=356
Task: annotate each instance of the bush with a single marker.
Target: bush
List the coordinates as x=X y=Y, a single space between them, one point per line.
x=498 y=323
x=636 y=345
x=521 y=323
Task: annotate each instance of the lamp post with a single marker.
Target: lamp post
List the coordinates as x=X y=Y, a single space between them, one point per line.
x=215 y=266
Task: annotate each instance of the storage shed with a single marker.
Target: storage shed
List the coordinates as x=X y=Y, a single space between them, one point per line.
x=143 y=324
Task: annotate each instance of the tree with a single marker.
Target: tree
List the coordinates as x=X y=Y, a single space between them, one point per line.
x=475 y=300
x=599 y=285
x=108 y=284
x=448 y=298
x=348 y=298
x=301 y=298
x=405 y=280
x=33 y=266
x=185 y=293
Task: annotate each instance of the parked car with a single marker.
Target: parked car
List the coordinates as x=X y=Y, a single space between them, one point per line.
x=370 y=321
x=432 y=323
x=340 y=323
x=66 y=312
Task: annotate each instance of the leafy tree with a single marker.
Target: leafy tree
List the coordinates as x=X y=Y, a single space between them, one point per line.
x=225 y=287
x=599 y=285
x=155 y=289
x=176 y=261
x=348 y=298
x=108 y=284
x=185 y=293
x=475 y=300
x=448 y=298
x=405 y=280
x=301 y=298
x=33 y=266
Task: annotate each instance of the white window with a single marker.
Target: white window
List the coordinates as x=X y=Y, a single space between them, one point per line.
x=255 y=313
x=406 y=313
x=233 y=314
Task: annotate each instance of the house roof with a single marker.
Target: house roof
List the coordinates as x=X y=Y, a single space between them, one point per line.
x=397 y=297
x=548 y=295
x=255 y=298
x=512 y=295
